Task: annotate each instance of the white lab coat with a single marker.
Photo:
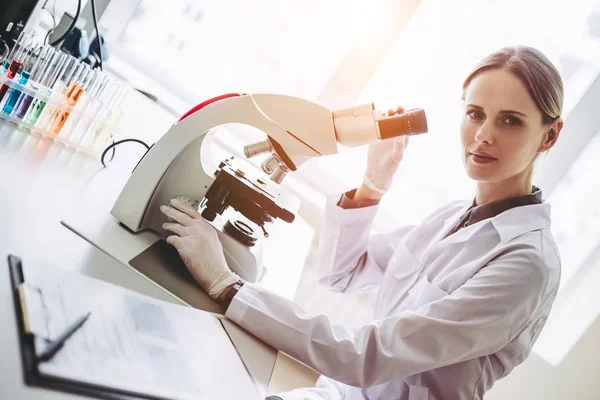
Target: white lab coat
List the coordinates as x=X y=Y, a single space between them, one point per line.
x=452 y=314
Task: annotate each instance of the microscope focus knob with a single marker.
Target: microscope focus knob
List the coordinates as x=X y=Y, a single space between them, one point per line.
x=188 y=201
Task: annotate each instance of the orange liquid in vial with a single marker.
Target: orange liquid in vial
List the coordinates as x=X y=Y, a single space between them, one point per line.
x=74 y=93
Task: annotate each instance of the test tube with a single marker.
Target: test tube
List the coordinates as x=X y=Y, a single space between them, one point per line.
x=23 y=38
x=35 y=80
x=17 y=56
x=90 y=95
x=82 y=134
x=112 y=118
x=12 y=75
x=74 y=93
x=55 y=68
x=4 y=67
x=14 y=54
x=71 y=71
x=111 y=97
x=29 y=65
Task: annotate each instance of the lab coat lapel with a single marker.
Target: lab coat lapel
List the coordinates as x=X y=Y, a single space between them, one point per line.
x=519 y=220
x=454 y=242
x=433 y=232
x=509 y=224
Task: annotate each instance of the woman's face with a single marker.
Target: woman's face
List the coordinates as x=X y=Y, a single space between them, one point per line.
x=501 y=129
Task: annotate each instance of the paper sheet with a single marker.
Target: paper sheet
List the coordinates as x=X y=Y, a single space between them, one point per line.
x=132 y=342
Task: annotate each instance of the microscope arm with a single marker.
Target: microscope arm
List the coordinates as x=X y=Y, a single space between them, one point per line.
x=135 y=197
x=297 y=130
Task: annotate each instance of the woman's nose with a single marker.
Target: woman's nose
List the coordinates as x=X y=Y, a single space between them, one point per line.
x=485 y=133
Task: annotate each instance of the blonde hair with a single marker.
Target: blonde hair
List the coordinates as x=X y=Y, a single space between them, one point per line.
x=538 y=74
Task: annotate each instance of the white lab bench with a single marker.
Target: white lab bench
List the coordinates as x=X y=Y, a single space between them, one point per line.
x=41 y=183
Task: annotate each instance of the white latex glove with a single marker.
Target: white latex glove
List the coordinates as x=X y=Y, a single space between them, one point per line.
x=199 y=247
x=383 y=159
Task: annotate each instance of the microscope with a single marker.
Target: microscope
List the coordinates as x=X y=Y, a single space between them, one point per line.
x=296 y=130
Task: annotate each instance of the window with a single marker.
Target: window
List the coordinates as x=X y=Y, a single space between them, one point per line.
x=576 y=227
x=426 y=68
x=206 y=48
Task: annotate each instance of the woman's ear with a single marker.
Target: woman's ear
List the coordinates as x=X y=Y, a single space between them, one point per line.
x=551 y=135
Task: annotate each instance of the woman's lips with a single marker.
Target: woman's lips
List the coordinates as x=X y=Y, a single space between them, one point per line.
x=482 y=159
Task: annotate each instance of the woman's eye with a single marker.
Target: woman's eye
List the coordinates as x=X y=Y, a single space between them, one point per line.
x=509 y=120
x=475 y=114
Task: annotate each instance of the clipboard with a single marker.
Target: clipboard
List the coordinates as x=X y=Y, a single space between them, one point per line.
x=31 y=374
x=233 y=369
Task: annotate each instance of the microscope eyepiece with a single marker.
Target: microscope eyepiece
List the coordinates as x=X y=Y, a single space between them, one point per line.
x=410 y=122
x=359 y=125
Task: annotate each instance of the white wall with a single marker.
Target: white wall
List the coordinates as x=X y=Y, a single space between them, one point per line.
x=577 y=377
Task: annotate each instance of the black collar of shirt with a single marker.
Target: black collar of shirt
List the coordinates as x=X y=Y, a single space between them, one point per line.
x=478 y=213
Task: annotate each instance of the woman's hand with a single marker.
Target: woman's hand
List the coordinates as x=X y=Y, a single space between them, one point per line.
x=199 y=247
x=383 y=159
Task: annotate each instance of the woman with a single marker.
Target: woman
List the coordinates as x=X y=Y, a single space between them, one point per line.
x=462 y=296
